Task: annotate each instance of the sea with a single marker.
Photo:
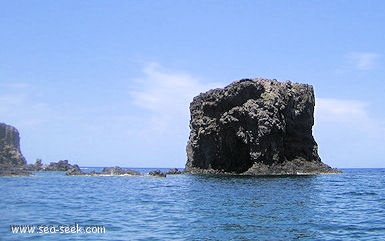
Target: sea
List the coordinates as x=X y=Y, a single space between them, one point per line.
x=52 y=206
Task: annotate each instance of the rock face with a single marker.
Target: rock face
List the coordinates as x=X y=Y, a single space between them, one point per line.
x=11 y=159
x=254 y=127
x=10 y=153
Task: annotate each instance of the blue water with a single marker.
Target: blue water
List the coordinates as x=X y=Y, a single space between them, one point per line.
x=348 y=206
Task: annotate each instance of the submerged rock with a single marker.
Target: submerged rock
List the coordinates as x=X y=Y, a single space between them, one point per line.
x=254 y=127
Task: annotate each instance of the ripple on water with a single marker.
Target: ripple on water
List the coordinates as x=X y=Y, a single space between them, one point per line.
x=348 y=206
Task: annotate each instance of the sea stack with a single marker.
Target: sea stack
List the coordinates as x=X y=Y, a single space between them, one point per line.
x=12 y=162
x=254 y=127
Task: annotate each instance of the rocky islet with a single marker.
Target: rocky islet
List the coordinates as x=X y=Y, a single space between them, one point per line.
x=254 y=127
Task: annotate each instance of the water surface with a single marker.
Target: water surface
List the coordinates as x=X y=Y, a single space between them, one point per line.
x=348 y=206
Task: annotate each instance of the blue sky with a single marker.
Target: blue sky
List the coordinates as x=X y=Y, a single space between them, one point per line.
x=104 y=83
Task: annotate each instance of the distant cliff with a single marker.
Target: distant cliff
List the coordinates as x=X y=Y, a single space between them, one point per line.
x=255 y=127
x=11 y=159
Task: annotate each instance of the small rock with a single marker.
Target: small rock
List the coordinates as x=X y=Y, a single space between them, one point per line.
x=173 y=171
x=118 y=171
x=157 y=173
x=74 y=170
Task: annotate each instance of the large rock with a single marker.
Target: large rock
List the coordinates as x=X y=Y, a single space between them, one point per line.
x=256 y=127
x=12 y=161
x=10 y=153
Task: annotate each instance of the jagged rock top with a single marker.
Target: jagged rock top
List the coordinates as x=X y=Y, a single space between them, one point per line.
x=254 y=126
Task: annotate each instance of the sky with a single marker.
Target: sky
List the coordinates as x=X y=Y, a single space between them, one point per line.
x=106 y=83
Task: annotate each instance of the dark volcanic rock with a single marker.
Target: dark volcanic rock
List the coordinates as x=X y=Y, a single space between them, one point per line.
x=74 y=170
x=37 y=166
x=61 y=165
x=107 y=171
x=14 y=171
x=157 y=173
x=254 y=127
x=12 y=162
x=10 y=153
x=118 y=171
x=174 y=171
